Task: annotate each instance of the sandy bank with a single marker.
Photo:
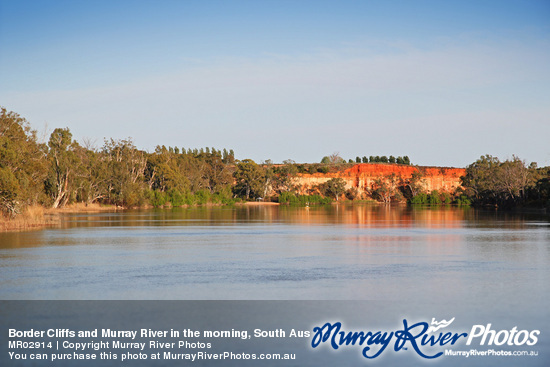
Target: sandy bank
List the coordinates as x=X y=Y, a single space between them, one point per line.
x=259 y=203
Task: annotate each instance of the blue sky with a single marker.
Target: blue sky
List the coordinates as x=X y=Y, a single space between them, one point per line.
x=443 y=82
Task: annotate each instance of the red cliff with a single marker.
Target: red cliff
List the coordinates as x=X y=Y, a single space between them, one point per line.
x=363 y=177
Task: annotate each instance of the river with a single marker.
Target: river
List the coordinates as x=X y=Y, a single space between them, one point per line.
x=484 y=266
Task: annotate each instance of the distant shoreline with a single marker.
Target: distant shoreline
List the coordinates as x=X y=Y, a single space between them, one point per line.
x=259 y=203
x=37 y=217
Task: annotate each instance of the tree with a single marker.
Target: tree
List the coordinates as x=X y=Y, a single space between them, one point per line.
x=217 y=174
x=514 y=179
x=64 y=164
x=480 y=179
x=249 y=179
x=9 y=191
x=23 y=164
x=165 y=171
x=352 y=193
x=415 y=183
x=334 y=187
x=334 y=158
x=269 y=177
x=92 y=177
x=126 y=166
x=541 y=191
x=489 y=181
x=358 y=159
x=285 y=177
x=385 y=188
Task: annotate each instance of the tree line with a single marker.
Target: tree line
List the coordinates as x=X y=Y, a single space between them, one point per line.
x=488 y=182
x=507 y=184
x=62 y=171
x=383 y=159
x=335 y=158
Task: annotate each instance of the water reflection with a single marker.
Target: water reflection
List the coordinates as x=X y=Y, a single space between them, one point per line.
x=368 y=216
x=355 y=215
x=257 y=252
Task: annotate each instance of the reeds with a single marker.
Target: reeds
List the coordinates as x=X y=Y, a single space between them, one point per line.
x=32 y=217
x=84 y=208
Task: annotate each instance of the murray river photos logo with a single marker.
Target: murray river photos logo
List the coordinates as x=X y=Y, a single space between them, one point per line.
x=427 y=340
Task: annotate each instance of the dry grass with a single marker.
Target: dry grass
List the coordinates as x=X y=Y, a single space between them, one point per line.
x=37 y=217
x=84 y=208
x=260 y=203
x=32 y=217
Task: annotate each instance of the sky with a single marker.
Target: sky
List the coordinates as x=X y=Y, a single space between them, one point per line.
x=443 y=82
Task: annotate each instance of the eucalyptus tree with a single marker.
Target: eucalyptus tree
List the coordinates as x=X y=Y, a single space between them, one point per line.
x=23 y=164
x=334 y=187
x=126 y=166
x=64 y=165
x=286 y=176
x=249 y=178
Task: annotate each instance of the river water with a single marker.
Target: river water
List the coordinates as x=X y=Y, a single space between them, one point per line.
x=327 y=252
x=483 y=266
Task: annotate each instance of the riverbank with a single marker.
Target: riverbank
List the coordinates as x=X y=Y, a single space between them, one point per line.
x=259 y=203
x=32 y=218
x=37 y=217
x=85 y=208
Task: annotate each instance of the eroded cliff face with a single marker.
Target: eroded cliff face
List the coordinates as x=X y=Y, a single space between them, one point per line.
x=363 y=177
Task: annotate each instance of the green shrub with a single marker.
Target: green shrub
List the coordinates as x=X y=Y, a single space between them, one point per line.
x=157 y=198
x=202 y=196
x=446 y=198
x=223 y=196
x=134 y=196
x=175 y=197
x=287 y=197
x=463 y=200
x=434 y=198
x=292 y=199
x=421 y=198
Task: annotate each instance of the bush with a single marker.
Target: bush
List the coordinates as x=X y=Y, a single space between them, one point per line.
x=9 y=190
x=421 y=198
x=157 y=198
x=224 y=196
x=312 y=169
x=176 y=197
x=352 y=193
x=314 y=199
x=202 y=196
x=434 y=198
x=463 y=200
x=286 y=197
x=134 y=196
x=292 y=199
